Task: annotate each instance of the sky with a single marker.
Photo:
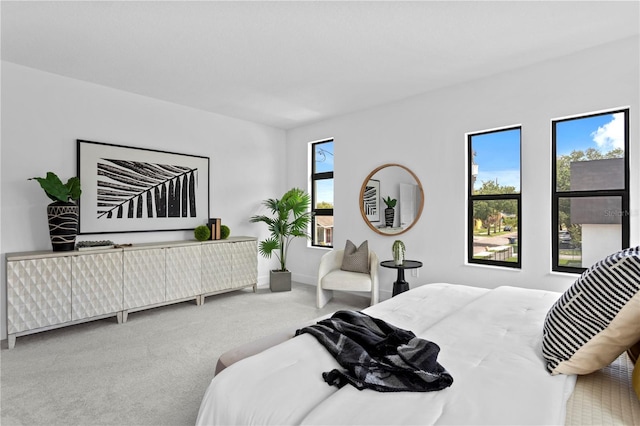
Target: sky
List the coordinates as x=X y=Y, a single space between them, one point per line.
x=603 y=132
x=498 y=157
x=498 y=153
x=324 y=163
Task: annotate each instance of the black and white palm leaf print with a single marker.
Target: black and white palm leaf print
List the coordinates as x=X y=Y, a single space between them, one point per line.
x=132 y=189
x=369 y=200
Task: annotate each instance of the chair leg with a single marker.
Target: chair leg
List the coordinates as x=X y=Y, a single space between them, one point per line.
x=374 y=298
x=323 y=297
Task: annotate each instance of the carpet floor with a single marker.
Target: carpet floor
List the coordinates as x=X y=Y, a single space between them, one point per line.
x=151 y=370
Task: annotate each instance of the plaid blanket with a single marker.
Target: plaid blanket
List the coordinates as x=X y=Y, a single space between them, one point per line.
x=378 y=355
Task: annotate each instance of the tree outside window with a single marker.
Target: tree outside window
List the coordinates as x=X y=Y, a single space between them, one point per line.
x=590 y=200
x=322 y=193
x=494 y=197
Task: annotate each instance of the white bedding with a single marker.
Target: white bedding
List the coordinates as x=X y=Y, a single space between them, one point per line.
x=490 y=342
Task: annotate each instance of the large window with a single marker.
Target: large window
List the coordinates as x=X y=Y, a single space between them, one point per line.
x=322 y=193
x=590 y=181
x=494 y=197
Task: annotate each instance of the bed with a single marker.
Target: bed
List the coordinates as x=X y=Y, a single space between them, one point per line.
x=491 y=342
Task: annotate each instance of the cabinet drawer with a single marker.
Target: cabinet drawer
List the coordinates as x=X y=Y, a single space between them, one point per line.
x=183 y=272
x=97 y=285
x=144 y=277
x=38 y=293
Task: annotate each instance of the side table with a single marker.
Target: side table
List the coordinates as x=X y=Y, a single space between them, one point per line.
x=401 y=285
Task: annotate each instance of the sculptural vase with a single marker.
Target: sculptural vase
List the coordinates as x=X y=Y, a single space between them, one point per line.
x=63 y=225
x=389 y=214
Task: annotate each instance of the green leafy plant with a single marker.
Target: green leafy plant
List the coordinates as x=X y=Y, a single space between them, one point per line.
x=224 y=232
x=202 y=233
x=390 y=202
x=58 y=191
x=290 y=218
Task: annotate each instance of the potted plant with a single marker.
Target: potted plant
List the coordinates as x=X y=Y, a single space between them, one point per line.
x=389 y=212
x=63 y=212
x=289 y=219
x=398 y=250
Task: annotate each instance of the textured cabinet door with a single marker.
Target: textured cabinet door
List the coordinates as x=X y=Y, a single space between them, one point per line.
x=216 y=267
x=144 y=277
x=96 y=285
x=245 y=263
x=38 y=293
x=183 y=272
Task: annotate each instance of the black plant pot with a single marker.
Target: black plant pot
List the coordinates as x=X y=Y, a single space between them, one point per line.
x=63 y=225
x=389 y=214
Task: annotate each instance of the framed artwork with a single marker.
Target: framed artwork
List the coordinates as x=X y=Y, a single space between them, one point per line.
x=371 y=200
x=126 y=189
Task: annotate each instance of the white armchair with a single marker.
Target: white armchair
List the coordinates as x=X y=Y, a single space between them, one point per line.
x=331 y=277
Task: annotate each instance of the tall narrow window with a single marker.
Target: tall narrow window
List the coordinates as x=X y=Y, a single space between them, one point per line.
x=494 y=197
x=322 y=193
x=590 y=181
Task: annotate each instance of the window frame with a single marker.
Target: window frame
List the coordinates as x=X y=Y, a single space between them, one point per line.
x=315 y=212
x=556 y=195
x=471 y=197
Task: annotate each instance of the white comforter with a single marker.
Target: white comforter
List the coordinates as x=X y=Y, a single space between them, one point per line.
x=490 y=342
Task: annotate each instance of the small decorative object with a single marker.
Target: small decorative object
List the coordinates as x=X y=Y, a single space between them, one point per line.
x=389 y=212
x=290 y=218
x=214 y=224
x=202 y=233
x=94 y=245
x=398 y=250
x=224 y=232
x=63 y=213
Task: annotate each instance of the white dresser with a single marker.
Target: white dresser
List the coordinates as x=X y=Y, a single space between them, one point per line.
x=47 y=290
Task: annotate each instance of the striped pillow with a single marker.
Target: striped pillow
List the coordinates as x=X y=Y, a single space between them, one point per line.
x=597 y=318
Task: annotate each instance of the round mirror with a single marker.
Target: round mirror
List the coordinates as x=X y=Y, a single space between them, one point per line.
x=391 y=199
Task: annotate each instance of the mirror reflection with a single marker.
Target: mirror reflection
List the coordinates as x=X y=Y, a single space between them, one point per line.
x=391 y=199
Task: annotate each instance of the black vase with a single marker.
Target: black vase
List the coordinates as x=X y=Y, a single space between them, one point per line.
x=389 y=214
x=63 y=225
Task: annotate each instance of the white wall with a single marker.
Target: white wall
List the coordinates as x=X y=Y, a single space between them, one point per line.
x=426 y=134
x=598 y=240
x=43 y=114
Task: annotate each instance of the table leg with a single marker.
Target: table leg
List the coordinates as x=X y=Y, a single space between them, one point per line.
x=400 y=286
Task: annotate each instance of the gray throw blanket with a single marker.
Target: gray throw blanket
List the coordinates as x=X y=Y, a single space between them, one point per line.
x=378 y=355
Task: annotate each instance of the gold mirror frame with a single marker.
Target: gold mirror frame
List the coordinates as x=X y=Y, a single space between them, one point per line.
x=362 y=193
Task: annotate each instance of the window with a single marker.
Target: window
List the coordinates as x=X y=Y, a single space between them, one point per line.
x=590 y=182
x=494 y=197
x=322 y=193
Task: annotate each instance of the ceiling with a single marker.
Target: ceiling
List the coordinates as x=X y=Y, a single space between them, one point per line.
x=287 y=64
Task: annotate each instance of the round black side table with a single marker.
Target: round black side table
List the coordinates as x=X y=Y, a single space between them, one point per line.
x=401 y=285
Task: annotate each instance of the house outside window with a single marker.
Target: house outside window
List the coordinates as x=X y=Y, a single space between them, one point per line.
x=590 y=181
x=322 y=193
x=494 y=219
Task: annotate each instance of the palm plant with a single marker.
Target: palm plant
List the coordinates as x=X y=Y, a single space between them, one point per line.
x=290 y=219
